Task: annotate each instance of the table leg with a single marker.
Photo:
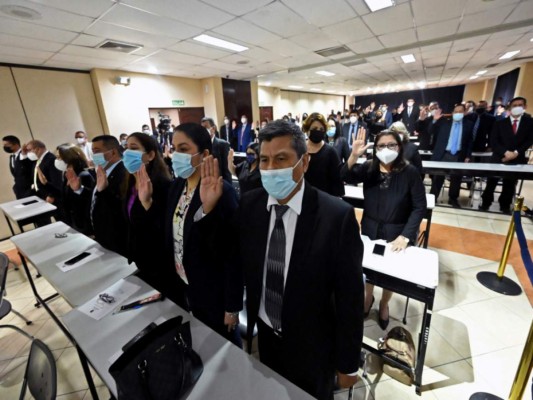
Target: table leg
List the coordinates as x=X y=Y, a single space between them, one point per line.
x=429 y=215
x=37 y=305
x=422 y=345
x=42 y=302
x=10 y=226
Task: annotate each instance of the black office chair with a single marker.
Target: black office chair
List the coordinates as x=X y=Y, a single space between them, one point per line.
x=41 y=373
x=5 y=306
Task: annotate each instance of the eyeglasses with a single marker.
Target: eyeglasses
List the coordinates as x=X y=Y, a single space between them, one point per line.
x=390 y=146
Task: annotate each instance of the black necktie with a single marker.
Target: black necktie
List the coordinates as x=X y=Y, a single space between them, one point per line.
x=275 y=269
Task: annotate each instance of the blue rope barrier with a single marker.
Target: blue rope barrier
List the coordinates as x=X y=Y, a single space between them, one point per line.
x=524 y=251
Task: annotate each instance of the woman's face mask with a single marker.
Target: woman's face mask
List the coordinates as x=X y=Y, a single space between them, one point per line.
x=182 y=164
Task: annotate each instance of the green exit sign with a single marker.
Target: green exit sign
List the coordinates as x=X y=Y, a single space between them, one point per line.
x=178 y=102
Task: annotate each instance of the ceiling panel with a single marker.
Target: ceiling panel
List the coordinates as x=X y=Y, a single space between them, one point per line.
x=285 y=47
x=120 y=33
x=146 y=22
x=430 y=11
x=366 y=46
x=87 y=61
x=8 y=58
x=21 y=52
x=399 y=38
x=200 y=50
x=523 y=11
x=348 y=31
x=26 y=43
x=238 y=7
x=192 y=12
x=315 y=40
x=278 y=18
x=438 y=29
x=380 y=22
x=323 y=13
x=29 y=30
x=99 y=54
x=481 y=20
x=246 y=32
x=92 y=8
x=179 y=58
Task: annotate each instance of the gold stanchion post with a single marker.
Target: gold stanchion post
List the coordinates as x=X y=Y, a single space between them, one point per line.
x=524 y=369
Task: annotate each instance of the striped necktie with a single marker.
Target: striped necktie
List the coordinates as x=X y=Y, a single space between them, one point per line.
x=275 y=270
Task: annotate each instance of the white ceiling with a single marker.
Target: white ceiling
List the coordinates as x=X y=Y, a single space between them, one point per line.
x=451 y=40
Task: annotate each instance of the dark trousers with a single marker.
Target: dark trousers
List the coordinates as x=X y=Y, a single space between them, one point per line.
x=455 y=180
x=272 y=354
x=506 y=197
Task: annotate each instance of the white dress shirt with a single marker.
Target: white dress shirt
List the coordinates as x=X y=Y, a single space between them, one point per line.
x=290 y=218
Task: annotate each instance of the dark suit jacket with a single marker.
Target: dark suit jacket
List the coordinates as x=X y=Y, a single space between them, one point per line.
x=411 y=154
x=441 y=131
x=347 y=129
x=239 y=144
x=220 y=151
x=482 y=139
x=503 y=139
x=22 y=172
x=54 y=186
x=388 y=119
x=322 y=316
x=109 y=222
x=409 y=120
x=422 y=127
x=225 y=132
x=76 y=210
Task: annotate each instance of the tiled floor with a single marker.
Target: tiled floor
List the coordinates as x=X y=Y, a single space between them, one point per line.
x=475 y=343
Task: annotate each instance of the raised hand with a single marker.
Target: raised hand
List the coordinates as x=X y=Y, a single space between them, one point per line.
x=73 y=180
x=401 y=107
x=211 y=184
x=24 y=149
x=144 y=187
x=41 y=176
x=358 y=145
x=101 y=179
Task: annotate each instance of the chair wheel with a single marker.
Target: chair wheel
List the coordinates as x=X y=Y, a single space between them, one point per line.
x=29 y=322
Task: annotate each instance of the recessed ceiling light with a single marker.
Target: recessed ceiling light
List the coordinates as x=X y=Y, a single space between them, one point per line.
x=408 y=58
x=325 y=73
x=421 y=84
x=509 y=54
x=20 y=12
x=295 y=87
x=474 y=77
x=213 y=41
x=332 y=91
x=314 y=89
x=531 y=40
x=376 y=5
x=482 y=72
x=152 y=69
x=267 y=83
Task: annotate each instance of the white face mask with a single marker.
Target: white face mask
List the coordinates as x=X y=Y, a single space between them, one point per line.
x=386 y=156
x=353 y=120
x=146 y=131
x=243 y=121
x=226 y=121
x=410 y=104
x=81 y=140
x=433 y=112
x=60 y=165
x=457 y=117
x=517 y=111
x=32 y=156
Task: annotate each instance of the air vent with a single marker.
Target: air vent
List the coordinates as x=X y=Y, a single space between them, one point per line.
x=464 y=50
x=492 y=65
x=333 y=51
x=354 y=63
x=119 y=46
x=20 y=12
x=243 y=62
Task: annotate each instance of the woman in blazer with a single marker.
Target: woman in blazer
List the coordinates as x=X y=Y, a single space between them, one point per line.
x=210 y=284
x=394 y=200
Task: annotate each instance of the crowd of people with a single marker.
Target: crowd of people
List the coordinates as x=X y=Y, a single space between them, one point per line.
x=170 y=206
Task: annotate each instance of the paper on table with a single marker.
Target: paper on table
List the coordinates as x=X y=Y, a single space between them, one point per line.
x=97 y=308
x=94 y=253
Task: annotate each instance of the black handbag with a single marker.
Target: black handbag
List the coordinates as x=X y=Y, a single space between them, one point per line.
x=160 y=365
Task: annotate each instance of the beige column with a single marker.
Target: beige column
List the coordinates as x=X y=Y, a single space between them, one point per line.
x=524 y=86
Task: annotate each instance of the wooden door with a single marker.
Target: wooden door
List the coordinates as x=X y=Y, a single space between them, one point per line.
x=266 y=113
x=191 y=114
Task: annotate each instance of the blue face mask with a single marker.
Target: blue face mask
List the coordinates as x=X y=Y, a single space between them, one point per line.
x=181 y=164
x=331 y=131
x=457 y=117
x=132 y=160
x=278 y=182
x=99 y=159
x=250 y=158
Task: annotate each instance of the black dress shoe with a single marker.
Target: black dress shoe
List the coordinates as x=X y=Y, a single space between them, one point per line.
x=483 y=207
x=506 y=211
x=367 y=313
x=454 y=203
x=383 y=323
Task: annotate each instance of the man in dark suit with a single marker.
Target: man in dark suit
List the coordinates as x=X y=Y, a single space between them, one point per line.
x=220 y=149
x=482 y=128
x=225 y=129
x=20 y=166
x=386 y=116
x=349 y=130
x=243 y=134
x=452 y=140
x=47 y=180
x=510 y=139
x=106 y=200
x=410 y=115
x=302 y=255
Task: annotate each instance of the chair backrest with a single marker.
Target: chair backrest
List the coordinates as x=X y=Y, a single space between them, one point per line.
x=4 y=263
x=41 y=373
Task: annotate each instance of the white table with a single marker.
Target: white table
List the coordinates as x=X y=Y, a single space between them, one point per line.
x=25 y=211
x=229 y=373
x=355 y=196
x=522 y=171
x=413 y=273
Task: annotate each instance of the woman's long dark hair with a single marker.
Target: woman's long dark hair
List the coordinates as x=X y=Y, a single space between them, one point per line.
x=157 y=169
x=398 y=164
x=73 y=156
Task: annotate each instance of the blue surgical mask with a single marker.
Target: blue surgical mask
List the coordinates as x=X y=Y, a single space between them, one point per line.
x=457 y=117
x=278 y=182
x=181 y=164
x=250 y=158
x=132 y=160
x=99 y=160
x=331 y=131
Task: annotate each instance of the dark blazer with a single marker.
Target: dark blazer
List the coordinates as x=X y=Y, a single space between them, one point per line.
x=108 y=220
x=225 y=132
x=215 y=280
x=441 y=131
x=388 y=119
x=482 y=139
x=340 y=145
x=54 y=186
x=22 y=172
x=409 y=120
x=424 y=136
x=397 y=210
x=76 y=210
x=322 y=316
x=411 y=154
x=220 y=151
x=347 y=129
x=324 y=171
x=503 y=139
x=248 y=180
x=238 y=143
